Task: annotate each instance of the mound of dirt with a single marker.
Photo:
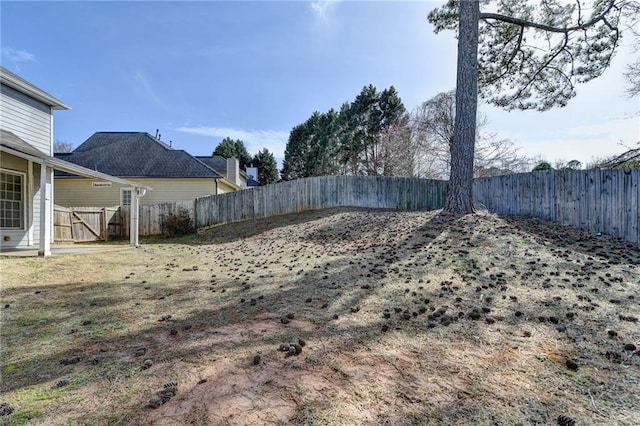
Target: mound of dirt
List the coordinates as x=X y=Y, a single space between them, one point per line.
x=391 y=318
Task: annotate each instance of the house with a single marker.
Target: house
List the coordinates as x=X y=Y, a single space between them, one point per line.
x=235 y=178
x=27 y=165
x=252 y=172
x=174 y=174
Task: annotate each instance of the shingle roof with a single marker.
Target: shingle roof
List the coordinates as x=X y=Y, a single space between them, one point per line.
x=136 y=154
x=12 y=141
x=14 y=145
x=216 y=162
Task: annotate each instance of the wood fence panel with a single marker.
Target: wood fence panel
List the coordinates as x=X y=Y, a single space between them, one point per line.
x=84 y=224
x=319 y=193
x=62 y=227
x=605 y=201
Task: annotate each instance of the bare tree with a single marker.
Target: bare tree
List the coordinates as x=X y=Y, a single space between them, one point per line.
x=398 y=150
x=630 y=159
x=433 y=127
x=62 y=146
x=494 y=157
x=432 y=133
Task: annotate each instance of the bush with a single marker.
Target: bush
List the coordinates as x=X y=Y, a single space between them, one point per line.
x=177 y=224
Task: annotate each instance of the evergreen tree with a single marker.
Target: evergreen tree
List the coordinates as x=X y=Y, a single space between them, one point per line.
x=544 y=165
x=267 y=167
x=354 y=140
x=228 y=148
x=295 y=154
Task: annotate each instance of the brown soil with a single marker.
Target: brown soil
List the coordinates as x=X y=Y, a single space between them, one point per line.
x=492 y=320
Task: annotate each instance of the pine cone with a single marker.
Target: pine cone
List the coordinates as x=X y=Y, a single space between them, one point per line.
x=566 y=420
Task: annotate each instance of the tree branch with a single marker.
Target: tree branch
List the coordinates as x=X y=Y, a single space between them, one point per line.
x=548 y=28
x=545 y=65
x=515 y=51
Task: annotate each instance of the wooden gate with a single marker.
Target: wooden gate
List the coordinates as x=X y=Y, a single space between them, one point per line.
x=82 y=224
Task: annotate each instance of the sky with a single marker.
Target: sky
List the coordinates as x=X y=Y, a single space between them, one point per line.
x=202 y=71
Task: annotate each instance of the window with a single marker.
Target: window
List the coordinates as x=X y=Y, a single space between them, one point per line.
x=125 y=197
x=11 y=200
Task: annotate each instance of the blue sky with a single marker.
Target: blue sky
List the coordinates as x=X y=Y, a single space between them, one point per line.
x=201 y=71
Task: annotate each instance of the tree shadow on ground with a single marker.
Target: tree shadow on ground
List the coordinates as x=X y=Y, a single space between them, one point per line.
x=563 y=237
x=442 y=359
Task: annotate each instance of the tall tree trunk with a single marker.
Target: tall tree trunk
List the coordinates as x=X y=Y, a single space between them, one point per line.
x=459 y=196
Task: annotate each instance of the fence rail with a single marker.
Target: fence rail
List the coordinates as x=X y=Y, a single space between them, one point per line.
x=605 y=201
x=319 y=193
x=83 y=224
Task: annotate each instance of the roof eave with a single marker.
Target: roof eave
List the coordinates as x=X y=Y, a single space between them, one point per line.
x=68 y=167
x=17 y=83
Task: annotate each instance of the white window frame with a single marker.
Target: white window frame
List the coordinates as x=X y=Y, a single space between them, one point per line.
x=23 y=201
x=122 y=196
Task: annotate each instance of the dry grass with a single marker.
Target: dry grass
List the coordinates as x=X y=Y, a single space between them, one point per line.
x=541 y=294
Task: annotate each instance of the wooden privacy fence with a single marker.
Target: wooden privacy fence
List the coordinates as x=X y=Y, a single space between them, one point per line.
x=319 y=193
x=151 y=216
x=605 y=201
x=83 y=224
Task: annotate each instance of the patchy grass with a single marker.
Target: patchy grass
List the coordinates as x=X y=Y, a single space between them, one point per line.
x=407 y=318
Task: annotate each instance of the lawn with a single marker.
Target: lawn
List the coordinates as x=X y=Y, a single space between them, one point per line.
x=339 y=317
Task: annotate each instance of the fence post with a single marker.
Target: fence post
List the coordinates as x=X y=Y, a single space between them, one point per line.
x=105 y=225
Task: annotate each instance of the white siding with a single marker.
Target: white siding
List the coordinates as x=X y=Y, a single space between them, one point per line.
x=32 y=121
x=27 y=118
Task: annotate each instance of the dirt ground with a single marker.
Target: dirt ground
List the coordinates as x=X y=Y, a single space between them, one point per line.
x=383 y=318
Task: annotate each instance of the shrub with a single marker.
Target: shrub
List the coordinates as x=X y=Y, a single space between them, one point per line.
x=177 y=224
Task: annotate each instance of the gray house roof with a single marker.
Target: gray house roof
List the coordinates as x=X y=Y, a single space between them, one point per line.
x=12 y=144
x=136 y=154
x=216 y=162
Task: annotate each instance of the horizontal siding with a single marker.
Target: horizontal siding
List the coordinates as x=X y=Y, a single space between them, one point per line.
x=26 y=118
x=11 y=162
x=80 y=193
x=178 y=189
x=223 y=188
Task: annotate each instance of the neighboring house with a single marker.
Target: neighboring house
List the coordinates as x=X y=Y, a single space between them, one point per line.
x=27 y=165
x=235 y=178
x=252 y=172
x=174 y=174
